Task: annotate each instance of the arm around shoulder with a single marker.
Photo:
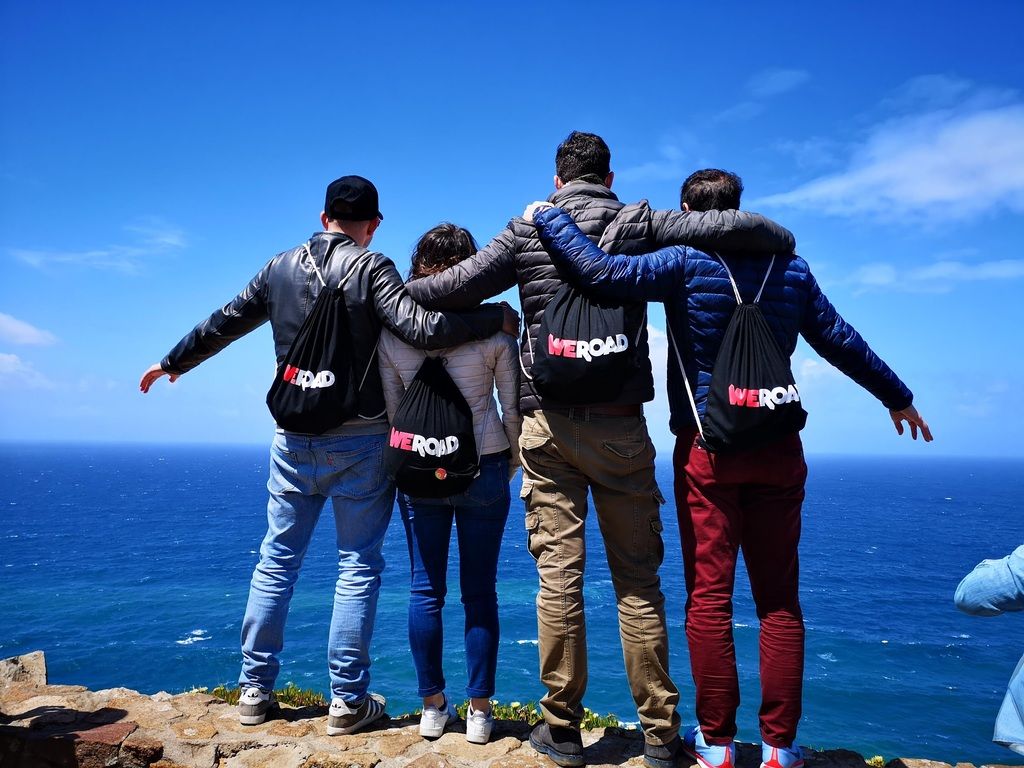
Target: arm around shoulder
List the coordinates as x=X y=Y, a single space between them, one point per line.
x=420 y=327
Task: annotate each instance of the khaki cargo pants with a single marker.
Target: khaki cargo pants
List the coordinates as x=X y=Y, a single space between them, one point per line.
x=563 y=456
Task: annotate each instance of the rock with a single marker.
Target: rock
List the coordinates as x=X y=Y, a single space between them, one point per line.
x=350 y=760
x=280 y=756
x=28 y=668
x=910 y=763
x=393 y=744
x=455 y=744
x=433 y=760
x=191 y=731
x=290 y=730
x=138 y=751
x=99 y=747
x=525 y=758
x=833 y=758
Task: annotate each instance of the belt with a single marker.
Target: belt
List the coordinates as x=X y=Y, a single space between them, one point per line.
x=586 y=412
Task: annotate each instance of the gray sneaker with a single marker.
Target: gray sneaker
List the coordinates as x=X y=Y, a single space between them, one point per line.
x=344 y=718
x=253 y=705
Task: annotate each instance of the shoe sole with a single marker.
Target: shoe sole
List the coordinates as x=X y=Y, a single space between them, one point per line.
x=701 y=762
x=558 y=758
x=252 y=719
x=435 y=733
x=346 y=730
x=483 y=739
x=657 y=762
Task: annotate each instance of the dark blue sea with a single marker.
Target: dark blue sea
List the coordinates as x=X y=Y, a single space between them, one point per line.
x=130 y=567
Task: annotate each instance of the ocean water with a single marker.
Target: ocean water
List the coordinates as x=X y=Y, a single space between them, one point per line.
x=130 y=566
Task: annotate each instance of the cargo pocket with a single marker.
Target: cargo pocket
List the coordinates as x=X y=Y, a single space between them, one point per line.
x=657 y=545
x=533 y=533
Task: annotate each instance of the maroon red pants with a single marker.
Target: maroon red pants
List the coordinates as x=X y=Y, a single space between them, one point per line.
x=751 y=501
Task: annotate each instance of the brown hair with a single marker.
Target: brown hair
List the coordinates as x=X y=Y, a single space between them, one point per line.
x=439 y=248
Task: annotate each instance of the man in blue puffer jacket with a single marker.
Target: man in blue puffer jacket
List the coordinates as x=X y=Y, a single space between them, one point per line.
x=749 y=499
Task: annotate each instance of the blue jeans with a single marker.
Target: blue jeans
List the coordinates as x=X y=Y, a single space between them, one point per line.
x=304 y=472
x=479 y=514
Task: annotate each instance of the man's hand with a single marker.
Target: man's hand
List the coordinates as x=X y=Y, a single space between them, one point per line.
x=511 y=324
x=913 y=418
x=153 y=373
x=535 y=207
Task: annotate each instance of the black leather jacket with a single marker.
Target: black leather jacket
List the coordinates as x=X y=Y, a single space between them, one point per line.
x=283 y=292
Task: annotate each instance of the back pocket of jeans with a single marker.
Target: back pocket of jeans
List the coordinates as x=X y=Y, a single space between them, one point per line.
x=357 y=473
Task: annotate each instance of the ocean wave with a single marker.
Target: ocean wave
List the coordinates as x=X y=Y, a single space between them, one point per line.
x=828 y=657
x=527 y=642
x=195 y=636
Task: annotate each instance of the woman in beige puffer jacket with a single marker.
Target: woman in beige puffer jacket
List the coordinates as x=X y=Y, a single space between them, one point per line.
x=479 y=513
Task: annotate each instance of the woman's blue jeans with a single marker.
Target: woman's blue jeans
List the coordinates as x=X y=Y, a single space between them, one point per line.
x=479 y=515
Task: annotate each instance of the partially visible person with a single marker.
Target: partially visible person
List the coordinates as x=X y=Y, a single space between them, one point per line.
x=343 y=464
x=479 y=513
x=578 y=447
x=748 y=499
x=991 y=589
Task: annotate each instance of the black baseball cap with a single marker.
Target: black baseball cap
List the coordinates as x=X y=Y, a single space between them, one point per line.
x=352 y=198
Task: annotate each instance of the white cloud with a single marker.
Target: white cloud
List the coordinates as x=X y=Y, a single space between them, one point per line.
x=151 y=236
x=17 y=331
x=776 y=81
x=761 y=88
x=15 y=373
x=938 y=277
x=668 y=165
x=945 y=163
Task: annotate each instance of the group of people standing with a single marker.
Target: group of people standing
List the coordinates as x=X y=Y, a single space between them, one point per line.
x=701 y=262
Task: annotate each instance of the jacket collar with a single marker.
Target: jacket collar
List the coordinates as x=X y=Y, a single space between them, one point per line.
x=580 y=189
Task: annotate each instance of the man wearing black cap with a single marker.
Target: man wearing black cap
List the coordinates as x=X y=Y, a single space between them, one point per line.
x=343 y=463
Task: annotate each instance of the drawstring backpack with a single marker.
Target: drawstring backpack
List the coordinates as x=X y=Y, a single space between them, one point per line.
x=584 y=354
x=753 y=399
x=314 y=389
x=432 y=451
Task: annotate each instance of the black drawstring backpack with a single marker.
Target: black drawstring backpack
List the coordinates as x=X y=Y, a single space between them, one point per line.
x=314 y=389
x=432 y=451
x=753 y=399
x=584 y=354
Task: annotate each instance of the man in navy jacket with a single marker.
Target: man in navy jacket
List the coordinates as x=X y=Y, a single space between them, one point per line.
x=749 y=499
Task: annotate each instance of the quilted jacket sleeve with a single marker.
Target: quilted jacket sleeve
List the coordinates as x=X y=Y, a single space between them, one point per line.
x=838 y=342
x=244 y=313
x=653 y=276
x=506 y=380
x=487 y=273
x=638 y=229
x=422 y=328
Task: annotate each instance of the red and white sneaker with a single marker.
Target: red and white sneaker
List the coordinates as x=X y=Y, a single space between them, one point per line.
x=709 y=755
x=781 y=757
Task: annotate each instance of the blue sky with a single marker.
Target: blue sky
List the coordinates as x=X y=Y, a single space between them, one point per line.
x=153 y=157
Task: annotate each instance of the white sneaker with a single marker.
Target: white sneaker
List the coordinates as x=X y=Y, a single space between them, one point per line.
x=253 y=705
x=478 y=726
x=434 y=719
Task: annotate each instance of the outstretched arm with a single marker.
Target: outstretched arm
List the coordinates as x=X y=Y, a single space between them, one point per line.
x=994 y=586
x=650 y=277
x=485 y=274
x=244 y=313
x=839 y=342
x=423 y=328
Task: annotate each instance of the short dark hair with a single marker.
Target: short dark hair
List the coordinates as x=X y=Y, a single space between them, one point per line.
x=711 y=190
x=441 y=247
x=583 y=156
